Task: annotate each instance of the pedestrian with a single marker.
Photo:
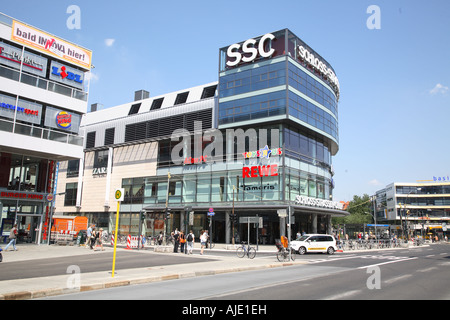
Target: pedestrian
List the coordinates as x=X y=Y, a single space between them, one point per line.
x=203 y=240
x=176 y=241
x=160 y=238
x=99 y=240
x=182 y=238
x=93 y=238
x=12 y=238
x=190 y=239
x=88 y=236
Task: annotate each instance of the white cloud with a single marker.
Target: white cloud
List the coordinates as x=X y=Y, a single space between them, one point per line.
x=109 y=42
x=439 y=88
x=93 y=77
x=375 y=183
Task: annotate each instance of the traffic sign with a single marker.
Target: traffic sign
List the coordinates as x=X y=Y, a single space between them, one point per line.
x=119 y=194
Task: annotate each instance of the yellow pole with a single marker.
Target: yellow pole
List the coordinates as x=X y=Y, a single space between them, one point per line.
x=115 y=238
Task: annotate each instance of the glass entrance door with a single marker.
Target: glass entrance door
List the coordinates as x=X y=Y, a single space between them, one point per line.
x=28 y=227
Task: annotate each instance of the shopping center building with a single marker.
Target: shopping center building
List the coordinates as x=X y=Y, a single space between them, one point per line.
x=43 y=96
x=419 y=208
x=253 y=146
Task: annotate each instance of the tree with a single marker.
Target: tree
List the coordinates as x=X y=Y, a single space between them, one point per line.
x=359 y=209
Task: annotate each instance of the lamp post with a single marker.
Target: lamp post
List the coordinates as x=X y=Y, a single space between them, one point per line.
x=232 y=221
x=408 y=211
x=52 y=203
x=166 y=212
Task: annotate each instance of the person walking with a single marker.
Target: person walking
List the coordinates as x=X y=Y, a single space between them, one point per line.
x=182 y=238
x=160 y=238
x=88 y=237
x=93 y=238
x=12 y=238
x=99 y=241
x=190 y=240
x=176 y=239
x=203 y=241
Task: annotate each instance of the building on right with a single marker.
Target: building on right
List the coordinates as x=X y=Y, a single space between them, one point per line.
x=416 y=208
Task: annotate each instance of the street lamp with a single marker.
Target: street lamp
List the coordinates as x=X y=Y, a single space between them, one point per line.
x=408 y=211
x=49 y=230
x=166 y=212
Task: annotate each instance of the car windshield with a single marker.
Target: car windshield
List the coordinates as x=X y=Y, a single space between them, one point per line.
x=302 y=238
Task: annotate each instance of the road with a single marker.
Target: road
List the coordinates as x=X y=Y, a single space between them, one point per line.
x=419 y=273
x=100 y=261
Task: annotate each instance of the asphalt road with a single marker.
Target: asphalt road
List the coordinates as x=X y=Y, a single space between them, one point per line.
x=91 y=262
x=419 y=273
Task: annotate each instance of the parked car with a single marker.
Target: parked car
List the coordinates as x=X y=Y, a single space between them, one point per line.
x=315 y=243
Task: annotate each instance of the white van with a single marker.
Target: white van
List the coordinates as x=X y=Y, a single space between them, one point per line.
x=315 y=243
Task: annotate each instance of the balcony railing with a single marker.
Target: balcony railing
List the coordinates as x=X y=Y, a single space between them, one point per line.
x=42 y=83
x=42 y=133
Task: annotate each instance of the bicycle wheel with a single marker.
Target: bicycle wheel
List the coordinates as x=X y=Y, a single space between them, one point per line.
x=240 y=252
x=292 y=254
x=251 y=252
x=280 y=256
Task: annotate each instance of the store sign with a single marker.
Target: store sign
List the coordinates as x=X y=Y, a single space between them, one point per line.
x=22 y=195
x=319 y=65
x=249 y=51
x=263 y=153
x=260 y=171
x=19 y=109
x=63 y=120
x=66 y=75
x=443 y=178
x=12 y=57
x=99 y=171
x=199 y=160
x=321 y=203
x=48 y=44
x=267 y=186
x=60 y=119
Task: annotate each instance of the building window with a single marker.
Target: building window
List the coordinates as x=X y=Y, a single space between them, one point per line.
x=70 y=198
x=73 y=167
x=90 y=140
x=101 y=160
x=209 y=92
x=109 y=136
x=134 y=108
x=156 y=104
x=181 y=98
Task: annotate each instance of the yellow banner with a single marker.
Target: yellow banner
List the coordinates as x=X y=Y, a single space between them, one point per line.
x=51 y=45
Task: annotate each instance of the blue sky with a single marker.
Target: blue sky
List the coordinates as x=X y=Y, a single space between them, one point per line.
x=394 y=111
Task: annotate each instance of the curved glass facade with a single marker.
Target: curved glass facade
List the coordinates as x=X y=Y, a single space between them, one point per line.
x=294 y=88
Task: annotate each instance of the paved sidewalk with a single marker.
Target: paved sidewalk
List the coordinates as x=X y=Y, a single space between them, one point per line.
x=55 y=285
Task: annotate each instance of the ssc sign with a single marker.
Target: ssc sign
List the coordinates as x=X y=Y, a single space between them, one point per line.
x=119 y=194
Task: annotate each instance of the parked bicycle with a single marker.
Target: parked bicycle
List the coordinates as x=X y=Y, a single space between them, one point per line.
x=246 y=250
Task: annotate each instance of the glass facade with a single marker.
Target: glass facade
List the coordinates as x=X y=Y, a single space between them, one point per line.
x=297 y=92
x=25 y=182
x=278 y=91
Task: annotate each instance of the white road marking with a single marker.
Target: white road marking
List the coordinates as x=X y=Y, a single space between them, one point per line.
x=343 y=295
x=406 y=276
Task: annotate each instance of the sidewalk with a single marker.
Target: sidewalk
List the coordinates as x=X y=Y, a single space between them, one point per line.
x=56 y=285
x=49 y=286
